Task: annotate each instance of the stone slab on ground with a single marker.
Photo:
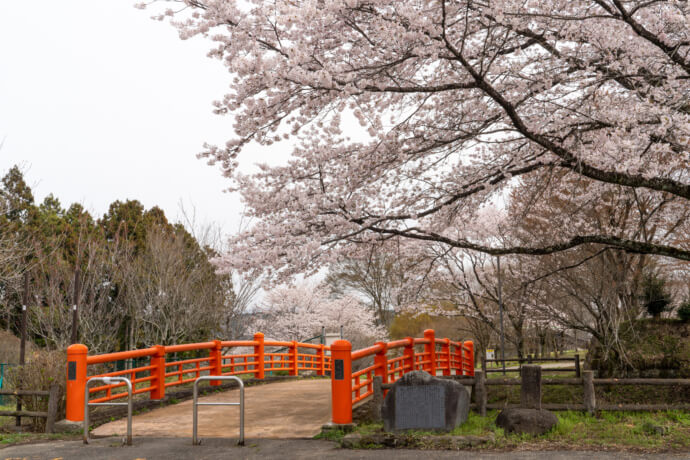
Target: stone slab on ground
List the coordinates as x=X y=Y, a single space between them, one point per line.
x=289 y=409
x=68 y=426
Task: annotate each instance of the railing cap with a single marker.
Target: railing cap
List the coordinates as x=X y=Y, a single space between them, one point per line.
x=341 y=345
x=77 y=349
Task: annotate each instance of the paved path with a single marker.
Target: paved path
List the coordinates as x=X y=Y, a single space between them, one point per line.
x=213 y=449
x=291 y=409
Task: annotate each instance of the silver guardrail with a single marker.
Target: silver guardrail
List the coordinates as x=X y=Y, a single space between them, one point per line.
x=108 y=381
x=195 y=439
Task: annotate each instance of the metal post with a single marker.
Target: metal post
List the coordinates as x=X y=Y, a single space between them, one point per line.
x=341 y=333
x=22 y=344
x=323 y=335
x=108 y=381
x=500 y=310
x=75 y=314
x=195 y=418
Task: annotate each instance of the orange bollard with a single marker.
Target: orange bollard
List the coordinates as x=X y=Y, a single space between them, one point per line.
x=341 y=382
x=215 y=362
x=408 y=353
x=158 y=372
x=294 y=349
x=381 y=361
x=469 y=359
x=259 y=352
x=430 y=350
x=76 y=382
x=445 y=350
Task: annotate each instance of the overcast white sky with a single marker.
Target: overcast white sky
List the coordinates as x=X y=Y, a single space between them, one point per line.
x=98 y=102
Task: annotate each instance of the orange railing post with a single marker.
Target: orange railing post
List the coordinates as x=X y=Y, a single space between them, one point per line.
x=321 y=360
x=459 y=360
x=430 y=351
x=469 y=358
x=294 y=349
x=341 y=382
x=158 y=372
x=76 y=382
x=408 y=353
x=259 y=352
x=215 y=361
x=445 y=352
x=381 y=362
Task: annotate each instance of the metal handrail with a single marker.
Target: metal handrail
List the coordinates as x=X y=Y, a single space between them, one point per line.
x=195 y=440
x=108 y=381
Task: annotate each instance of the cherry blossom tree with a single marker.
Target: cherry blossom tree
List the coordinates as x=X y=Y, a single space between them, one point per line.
x=458 y=103
x=299 y=312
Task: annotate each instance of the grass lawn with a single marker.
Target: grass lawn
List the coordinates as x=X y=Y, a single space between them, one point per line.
x=653 y=432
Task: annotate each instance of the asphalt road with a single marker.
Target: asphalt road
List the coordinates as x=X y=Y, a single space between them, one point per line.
x=214 y=449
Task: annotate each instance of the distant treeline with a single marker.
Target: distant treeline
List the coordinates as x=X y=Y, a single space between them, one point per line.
x=137 y=278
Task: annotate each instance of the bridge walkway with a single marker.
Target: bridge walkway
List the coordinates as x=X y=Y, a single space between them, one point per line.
x=290 y=409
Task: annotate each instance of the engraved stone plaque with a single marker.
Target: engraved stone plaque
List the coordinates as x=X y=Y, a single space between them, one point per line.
x=420 y=407
x=419 y=401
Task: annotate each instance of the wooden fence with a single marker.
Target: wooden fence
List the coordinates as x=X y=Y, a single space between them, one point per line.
x=50 y=415
x=480 y=383
x=532 y=360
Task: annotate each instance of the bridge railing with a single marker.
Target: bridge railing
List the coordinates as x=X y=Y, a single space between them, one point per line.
x=428 y=353
x=256 y=357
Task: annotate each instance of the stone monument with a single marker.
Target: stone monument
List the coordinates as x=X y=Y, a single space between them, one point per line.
x=422 y=402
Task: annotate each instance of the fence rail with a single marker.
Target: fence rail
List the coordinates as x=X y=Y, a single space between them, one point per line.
x=257 y=358
x=531 y=359
x=50 y=415
x=587 y=381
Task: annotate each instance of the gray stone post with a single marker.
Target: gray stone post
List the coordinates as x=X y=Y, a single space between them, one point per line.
x=588 y=391
x=530 y=389
x=377 y=399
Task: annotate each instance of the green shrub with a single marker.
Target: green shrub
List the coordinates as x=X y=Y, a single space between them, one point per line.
x=42 y=369
x=655 y=298
x=684 y=311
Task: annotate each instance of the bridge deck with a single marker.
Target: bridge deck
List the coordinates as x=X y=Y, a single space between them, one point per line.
x=291 y=409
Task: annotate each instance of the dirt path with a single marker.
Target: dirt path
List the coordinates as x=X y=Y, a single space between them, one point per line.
x=292 y=409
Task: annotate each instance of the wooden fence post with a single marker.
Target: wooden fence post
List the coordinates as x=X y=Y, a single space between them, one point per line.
x=53 y=400
x=578 y=372
x=76 y=382
x=588 y=391
x=259 y=352
x=480 y=392
x=341 y=382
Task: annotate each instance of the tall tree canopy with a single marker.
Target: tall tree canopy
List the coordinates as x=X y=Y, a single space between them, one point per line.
x=461 y=101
